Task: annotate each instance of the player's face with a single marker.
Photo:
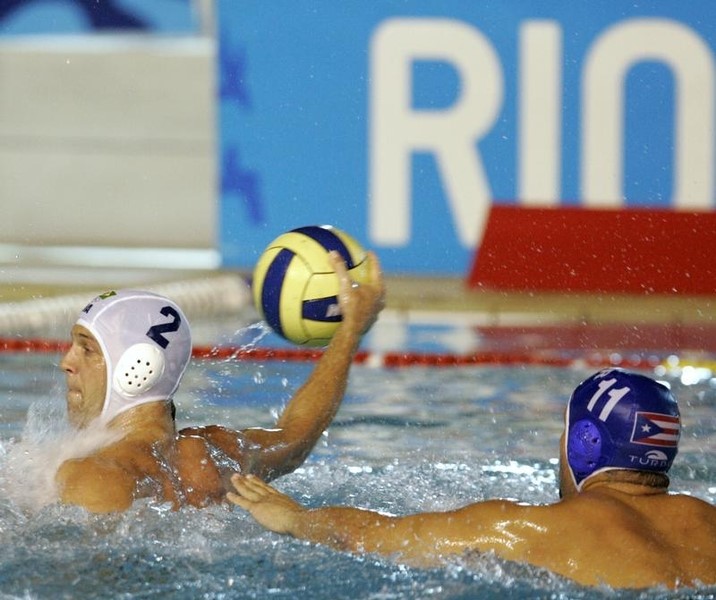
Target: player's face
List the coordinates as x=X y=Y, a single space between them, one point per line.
x=86 y=374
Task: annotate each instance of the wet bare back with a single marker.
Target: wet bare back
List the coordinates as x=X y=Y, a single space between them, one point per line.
x=622 y=540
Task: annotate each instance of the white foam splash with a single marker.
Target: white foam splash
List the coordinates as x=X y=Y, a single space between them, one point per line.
x=28 y=465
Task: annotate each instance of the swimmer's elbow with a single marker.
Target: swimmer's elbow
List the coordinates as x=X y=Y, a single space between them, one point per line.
x=276 y=457
x=288 y=465
x=94 y=489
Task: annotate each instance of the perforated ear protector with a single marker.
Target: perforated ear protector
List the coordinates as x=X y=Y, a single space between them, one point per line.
x=138 y=369
x=584 y=447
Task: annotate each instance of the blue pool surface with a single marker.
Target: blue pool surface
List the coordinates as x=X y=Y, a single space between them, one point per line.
x=404 y=440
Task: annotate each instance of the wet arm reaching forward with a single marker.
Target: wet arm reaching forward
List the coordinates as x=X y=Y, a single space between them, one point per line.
x=420 y=539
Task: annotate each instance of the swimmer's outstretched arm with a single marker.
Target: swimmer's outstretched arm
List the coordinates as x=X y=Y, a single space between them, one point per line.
x=420 y=539
x=279 y=451
x=339 y=527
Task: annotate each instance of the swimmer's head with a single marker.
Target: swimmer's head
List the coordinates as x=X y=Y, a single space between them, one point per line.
x=617 y=419
x=146 y=343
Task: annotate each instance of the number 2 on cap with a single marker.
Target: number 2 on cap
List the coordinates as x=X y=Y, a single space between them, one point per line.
x=156 y=332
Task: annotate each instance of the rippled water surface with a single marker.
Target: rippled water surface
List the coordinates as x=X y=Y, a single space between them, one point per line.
x=405 y=440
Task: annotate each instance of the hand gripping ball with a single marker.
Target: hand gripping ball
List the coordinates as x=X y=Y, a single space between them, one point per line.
x=295 y=288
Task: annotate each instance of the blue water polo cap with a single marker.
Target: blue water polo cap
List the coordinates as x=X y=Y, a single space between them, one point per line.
x=618 y=419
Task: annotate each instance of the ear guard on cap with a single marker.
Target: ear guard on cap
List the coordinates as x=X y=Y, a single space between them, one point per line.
x=138 y=369
x=584 y=448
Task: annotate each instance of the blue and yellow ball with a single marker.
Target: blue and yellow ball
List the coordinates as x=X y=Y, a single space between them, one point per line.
x=295 y=288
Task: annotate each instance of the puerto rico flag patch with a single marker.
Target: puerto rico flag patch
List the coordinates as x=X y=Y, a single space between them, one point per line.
x=655 y=429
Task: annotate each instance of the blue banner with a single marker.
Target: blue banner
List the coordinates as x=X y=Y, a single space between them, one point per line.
x=403 y=122
x=62 y=17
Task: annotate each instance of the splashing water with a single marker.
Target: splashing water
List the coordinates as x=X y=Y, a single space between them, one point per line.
x=403 y=441
x=29 y=465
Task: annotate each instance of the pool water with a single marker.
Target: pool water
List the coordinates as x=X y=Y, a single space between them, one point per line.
x=404 y=440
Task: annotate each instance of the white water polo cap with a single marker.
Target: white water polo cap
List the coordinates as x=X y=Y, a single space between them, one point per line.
x=146 y=343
